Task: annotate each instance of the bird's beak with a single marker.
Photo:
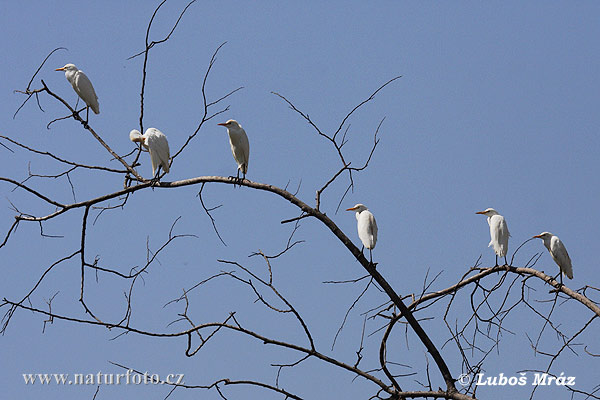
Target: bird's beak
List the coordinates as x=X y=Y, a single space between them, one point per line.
x=480 y=212
x=537 y=236
x=351 y=209
x=222 y=124
x=60 y=69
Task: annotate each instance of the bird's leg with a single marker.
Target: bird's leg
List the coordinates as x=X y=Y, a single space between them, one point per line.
x=374 y=265
x=558 y=278
x=496 y=260
x=505 y=261
x=87 y=117
x=238 y=178
x=156 y=177
x=561 y=279
x=234 y=179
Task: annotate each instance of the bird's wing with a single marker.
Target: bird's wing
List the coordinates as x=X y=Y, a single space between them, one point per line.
x=367 y=229
x=561 y=256
x=499 y=235
x=504 y=234
x=246 y=148
x=240 y=148
x=493 y=223
x=159 y=149
x=85 y=90
x=375 y=229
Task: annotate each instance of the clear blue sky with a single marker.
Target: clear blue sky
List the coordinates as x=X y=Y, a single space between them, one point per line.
x=497 y=107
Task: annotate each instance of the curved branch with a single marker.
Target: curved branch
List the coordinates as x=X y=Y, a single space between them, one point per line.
x=269 y=284
x=235 y=328
x=383 y=352
x=35 y=193
x=205 y=116
x=28 y=90
x=76 y=116
x=405 y=312
x=517 y=270
x=338 y=146
x=62 y=160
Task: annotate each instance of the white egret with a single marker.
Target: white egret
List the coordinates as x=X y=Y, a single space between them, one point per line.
x=240 y=148
x=367 y=227
x=498 y=232
x=558 y=252
x=157 y=145
x=83 y=87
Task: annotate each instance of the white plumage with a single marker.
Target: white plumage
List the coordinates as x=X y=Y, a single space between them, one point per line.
x=367 y=227
x=240 y=147
x=157 y=145
x=498 y=233
x=558 y=251
x=82 y=86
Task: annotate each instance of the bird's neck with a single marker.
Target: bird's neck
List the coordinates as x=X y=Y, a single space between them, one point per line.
x=70 y=75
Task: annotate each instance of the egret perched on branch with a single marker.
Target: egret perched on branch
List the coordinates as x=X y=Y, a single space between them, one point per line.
x=498 y=232
x=367 y=227
x=157 y=145
x=240 y=148
x=83 y=87
x=558 y=252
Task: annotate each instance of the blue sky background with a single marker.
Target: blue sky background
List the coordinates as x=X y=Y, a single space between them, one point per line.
x=497 y=107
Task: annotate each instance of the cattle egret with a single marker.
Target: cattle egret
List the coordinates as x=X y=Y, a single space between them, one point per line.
x=367 y=227
x=157 y=145
x=83 y=87
x=498 y=232
x=240 y=148
x=558 y=252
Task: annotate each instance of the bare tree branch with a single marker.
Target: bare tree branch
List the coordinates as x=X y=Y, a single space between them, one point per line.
x=28 y=90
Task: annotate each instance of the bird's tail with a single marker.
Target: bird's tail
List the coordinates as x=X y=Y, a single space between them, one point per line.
x=569 y=273
x=499 y=249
